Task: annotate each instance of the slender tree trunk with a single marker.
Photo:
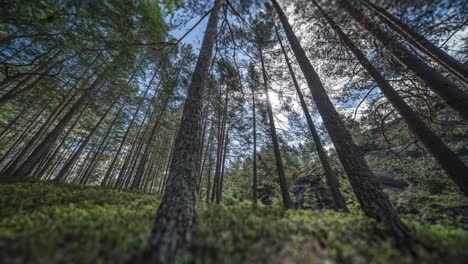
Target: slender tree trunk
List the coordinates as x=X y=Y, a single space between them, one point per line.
x=274 y=138
x=66 y=168
x=418 y=41
x=223 y=164
x=34 y=141
x=332 y=179
x=452 y=165
x=13 y=122
x=205 y=158
x=130 y=125
x=42 y=149
x=141 y=168
x=446 y=89
x=131 y=158
x=254 y=151
x=374 y=202
x=176 y=216
x=102 y=146
x=162 y=183
x=29 y=126
x=49 y=165
x=208 y=180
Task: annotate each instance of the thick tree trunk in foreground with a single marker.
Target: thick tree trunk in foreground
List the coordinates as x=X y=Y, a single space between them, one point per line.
x=452 y=165
x=374 y=202
x=176 y=216
x=274 y=138
x=332 y=179
x=420 y=42
x=447 y=90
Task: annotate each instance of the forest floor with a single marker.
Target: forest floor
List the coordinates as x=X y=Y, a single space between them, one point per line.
x=44 y=222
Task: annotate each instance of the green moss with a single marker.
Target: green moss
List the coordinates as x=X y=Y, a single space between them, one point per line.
x=50 y=222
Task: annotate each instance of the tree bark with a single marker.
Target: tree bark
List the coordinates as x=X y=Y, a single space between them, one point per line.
x=176 y=216
x=374 y=202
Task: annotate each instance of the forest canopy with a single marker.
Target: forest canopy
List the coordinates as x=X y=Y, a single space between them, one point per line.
x=256 y=131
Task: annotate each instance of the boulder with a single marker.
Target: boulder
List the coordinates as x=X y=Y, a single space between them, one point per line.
x=309 y=193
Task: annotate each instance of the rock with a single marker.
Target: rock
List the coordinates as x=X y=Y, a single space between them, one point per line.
x=309 y=193
x=464 y=159
x=458 y=210
x=387 y=179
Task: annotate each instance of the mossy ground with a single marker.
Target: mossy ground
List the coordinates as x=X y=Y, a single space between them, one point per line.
x=44 y=222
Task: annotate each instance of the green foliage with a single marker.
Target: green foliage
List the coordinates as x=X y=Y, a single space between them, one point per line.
x=50 y=222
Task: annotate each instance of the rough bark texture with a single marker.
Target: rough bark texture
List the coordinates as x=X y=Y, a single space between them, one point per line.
x=418 y=41
x=447 y=90
x=274 y=138
x=374 y=202
x=454 y=167
x=176 y=216
x=332 y=179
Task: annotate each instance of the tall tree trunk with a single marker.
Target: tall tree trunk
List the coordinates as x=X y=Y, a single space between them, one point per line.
x=446 y=89
x=374 y=202
x=13 y=122
x=103 y=146
x=66 y=168
x=141 y=167
x=332 y=179
x=176 y=216
x=452 y=165
x=42 y=149
x=420 y=42
x=49 y=165
x=254 y=150
x=28 y=127
x=110 y=169
x=206 y=156
x=274 y=138
x=132 y=156
x=223 y=166
x=34 y=141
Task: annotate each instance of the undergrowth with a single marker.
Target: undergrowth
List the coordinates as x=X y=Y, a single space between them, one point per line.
x=44 y=222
